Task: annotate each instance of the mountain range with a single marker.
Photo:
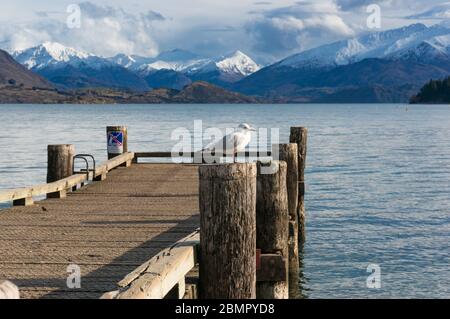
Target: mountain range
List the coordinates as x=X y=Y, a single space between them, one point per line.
x=382 y=66
x=70 y=68
x=387 y=66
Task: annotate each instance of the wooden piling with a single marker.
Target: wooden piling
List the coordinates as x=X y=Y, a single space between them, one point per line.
x=117 y=139
x=227 y=196
x=59 y=165
x=288 y=153
x=272 y=222
x=299 y=136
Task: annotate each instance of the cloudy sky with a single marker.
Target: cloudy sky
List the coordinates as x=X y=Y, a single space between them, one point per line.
x=267 y=30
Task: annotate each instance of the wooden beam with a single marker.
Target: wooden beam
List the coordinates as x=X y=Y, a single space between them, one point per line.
x=191 y=154
x=16 y=195
x=158 y=276
x=114 y=162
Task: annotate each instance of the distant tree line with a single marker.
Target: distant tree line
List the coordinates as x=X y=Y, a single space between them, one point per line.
x=435 y=91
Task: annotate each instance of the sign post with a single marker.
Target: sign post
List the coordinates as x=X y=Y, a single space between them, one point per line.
x=117 y=139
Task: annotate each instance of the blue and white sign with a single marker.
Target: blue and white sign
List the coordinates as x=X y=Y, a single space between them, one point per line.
x=115 y=142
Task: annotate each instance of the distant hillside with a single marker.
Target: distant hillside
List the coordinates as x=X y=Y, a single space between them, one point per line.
x=385 y=81
x=203 y=92
x=377 y=67
x=197 y=92
x=14 y=74
x=434 y=92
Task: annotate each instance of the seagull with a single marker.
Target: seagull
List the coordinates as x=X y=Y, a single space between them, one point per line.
x=232 y=143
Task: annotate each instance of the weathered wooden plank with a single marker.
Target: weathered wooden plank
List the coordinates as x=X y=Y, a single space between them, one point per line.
x=156 y=278
x=63 y=184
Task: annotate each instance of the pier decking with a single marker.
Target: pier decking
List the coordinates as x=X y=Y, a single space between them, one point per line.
x=107 y=228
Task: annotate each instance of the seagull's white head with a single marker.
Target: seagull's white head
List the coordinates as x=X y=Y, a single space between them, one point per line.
x=246 y=127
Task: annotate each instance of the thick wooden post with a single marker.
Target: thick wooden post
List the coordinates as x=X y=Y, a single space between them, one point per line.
x=288 y=153
x=299 y=136
x=59 y=165
x=117 y=139
x=227 y=231
x=272 y=222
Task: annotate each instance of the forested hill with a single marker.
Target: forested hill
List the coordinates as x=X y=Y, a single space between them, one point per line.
x=434 y=92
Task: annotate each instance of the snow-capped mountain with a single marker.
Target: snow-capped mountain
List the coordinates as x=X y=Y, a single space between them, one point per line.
x=432 y=50
x=71 y=68
x=238 y=63
x=232 y=67
x=54 y=54
x=389 y=44
x=176 y=60
x=224 y=69
x=179 y=66
x=57 y=63
x=385 y=66
x=132 y=62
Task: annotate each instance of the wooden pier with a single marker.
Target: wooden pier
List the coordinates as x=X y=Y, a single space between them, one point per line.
x=108 y=228
x=134 y=233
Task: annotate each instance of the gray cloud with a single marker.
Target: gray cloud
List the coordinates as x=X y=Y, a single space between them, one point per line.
x=293 y=28
x=439 y=12
x=94 y=11
x=154 y=16
x=41 y=14
x=350 y=4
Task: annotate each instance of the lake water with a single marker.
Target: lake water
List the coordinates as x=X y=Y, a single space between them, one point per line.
x=378 y=179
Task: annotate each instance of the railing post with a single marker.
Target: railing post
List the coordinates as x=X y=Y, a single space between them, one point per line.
x=288 y=153
x=227 y=197
x=117 y=139
x=272 y=223
x=299 y=136
x=59 y=165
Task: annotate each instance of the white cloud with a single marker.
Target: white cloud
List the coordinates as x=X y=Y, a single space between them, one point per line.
x=266 y=29
x=104 y=30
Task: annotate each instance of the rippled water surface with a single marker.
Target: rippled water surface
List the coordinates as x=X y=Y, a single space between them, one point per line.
x=378 y=179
